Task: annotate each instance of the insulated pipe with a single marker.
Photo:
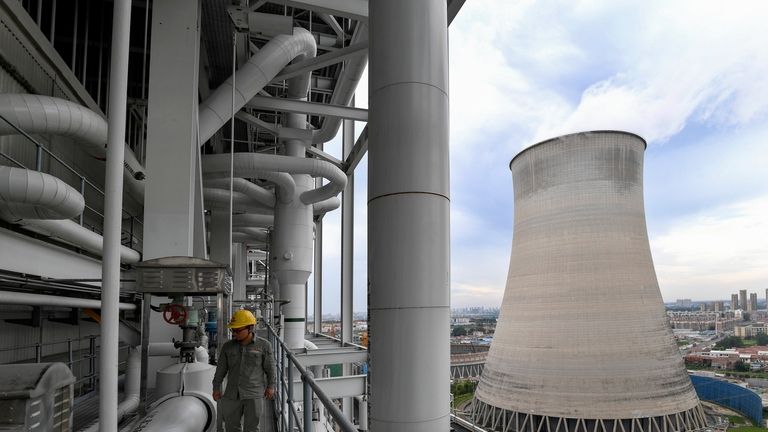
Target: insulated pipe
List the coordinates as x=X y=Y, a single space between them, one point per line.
x=219 y=199
x=46 y=115
x=345 y=88
x=254 y=233
x=113 y=206
x=27 y=194
x=327 y=205
x=78 y=235
x=177 y=414
x=132 y=386
x=167 y=349
x=252 y=220
x=17 y=298
x=253 y=191
x=217 y=167
x=250 y=165
x=251 y=78
x=408 y=216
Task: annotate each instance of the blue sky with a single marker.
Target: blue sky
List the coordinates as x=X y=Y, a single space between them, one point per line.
x=691 y=77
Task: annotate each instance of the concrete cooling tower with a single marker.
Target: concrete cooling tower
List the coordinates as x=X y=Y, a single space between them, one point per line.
x=582 y=342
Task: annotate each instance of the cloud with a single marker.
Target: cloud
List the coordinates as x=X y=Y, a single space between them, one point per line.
x=715 y=252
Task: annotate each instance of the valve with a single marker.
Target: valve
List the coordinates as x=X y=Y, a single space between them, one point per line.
x=174 y=314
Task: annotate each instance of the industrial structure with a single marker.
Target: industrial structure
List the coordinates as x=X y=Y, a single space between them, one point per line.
x=162 y=163
x=582 y=342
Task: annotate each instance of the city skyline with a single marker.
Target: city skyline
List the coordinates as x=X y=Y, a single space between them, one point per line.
x=515 y=82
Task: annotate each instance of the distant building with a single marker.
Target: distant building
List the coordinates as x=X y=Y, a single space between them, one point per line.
x=752 y=302
x=750 y=330
x=719 y=306
x=766 y=298
x=735 y=300
x=686 y=303
x=743 y=299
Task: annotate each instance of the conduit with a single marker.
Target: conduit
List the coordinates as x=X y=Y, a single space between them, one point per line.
x=27 y=194
x=260 y=69
x=25 y=299
x=46 y=115
x=249 y=165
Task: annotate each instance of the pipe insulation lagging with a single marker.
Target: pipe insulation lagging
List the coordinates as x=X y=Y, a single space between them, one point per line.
x=252 y=220
x=178 y=414
x=219 y=199
x=283 y=182
x=46 y=115
x=27 y=194
x=248 y=165
x=256 y=73
x=26 y=299
x=78 y=235
x=254 y=191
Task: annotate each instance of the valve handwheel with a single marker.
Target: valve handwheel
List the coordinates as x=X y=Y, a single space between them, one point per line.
x=174 y=314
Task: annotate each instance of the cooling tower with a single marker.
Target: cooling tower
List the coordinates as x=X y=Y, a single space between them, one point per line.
x=582 y=342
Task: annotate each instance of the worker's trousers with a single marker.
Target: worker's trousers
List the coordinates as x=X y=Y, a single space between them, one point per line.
x=235 y=409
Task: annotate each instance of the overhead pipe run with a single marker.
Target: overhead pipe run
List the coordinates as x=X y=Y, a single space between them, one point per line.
x=250 y=165
x=253 y=191
x=27 y=194
x=47 y=115
x=25 y=299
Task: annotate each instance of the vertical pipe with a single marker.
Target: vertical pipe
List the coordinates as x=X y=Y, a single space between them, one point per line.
x=290 y=396
x=38 y=157
x=70 y=355
x=53 y=21
x=39 y=20
x=74 y=37
x=85 y=41
x=82 y=192
x=113 y=193
x=408 y=216
x=317 y=324
x=347 y=253
x=307 y=405
x=92 y=362
x=38 y=352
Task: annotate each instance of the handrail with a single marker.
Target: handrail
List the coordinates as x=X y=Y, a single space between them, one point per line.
x=310 y=386
x=83 y=180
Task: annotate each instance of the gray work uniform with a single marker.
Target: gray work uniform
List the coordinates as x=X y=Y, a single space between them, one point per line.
x=249 y=370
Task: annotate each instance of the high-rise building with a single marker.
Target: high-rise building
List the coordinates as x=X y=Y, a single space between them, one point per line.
x=719 y=306
x=582 y=342
x=752 y=302
x=743 y=299
x=735 y=300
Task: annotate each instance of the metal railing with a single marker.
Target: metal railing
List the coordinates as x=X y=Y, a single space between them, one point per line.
x=288 y=419
x=134 y=221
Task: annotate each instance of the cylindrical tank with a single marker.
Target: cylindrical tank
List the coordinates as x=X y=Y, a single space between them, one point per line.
x=582 y=342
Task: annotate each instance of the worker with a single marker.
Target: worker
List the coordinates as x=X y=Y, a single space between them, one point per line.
x=249 y=366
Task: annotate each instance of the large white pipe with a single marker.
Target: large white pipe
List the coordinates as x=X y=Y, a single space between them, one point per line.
x=167 y=349
x=113 y=206
x=253 y=191
x=177 y=414
x=17 y=298
x=80 y=236
x=260 y=69
x=252 y=220
x=27 y=194
x=284 y=183
x=326 y=205
x=250 y=165
x=219 y=199
x=132 y=386
x=345 y=88
x=408 y=216
x=47 y=115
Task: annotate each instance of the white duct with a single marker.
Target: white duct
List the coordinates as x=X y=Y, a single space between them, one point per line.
x=249 y=165
x=132 y=386
x=46 y=115
x=80 y=236
x=25 y=299
x=252 y=220
x=345 y=88
x=260 y=69
x=253 y=191
x=27 y=194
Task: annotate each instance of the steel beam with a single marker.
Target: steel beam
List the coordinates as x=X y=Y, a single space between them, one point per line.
x=358 y=151
x=325 y=357
x=355 y=9
x=302 y=107
x=325 y=156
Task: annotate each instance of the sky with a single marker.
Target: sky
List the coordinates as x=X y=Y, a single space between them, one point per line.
x=691 y=77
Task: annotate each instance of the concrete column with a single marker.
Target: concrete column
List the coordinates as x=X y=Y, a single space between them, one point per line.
x=221 y=237
x=172 y=148
x=408 y=216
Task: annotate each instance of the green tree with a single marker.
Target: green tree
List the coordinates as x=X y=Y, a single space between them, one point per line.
x=762 y=339
x=459 y=331
x=730 y=342
x=741 y=366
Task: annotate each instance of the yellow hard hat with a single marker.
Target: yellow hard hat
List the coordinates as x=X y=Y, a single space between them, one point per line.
x=241 y=318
